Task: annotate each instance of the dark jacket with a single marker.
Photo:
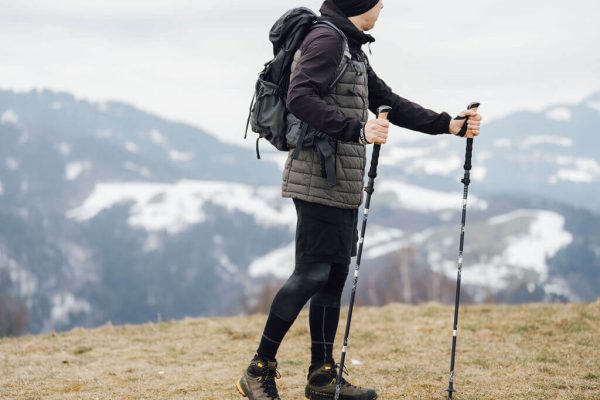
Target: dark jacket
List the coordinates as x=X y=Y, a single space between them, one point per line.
x=322 y=52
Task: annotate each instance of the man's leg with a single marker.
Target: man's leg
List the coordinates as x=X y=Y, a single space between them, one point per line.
x=324 y=315
x=306 y=280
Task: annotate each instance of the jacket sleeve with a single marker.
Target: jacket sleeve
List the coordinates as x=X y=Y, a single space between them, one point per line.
x=321 y=53
x=404 y=112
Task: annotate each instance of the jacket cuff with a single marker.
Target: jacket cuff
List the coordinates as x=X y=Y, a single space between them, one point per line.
x=444 y=124
x=353 y=134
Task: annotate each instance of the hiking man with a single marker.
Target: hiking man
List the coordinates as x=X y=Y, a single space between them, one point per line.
x=325 y=182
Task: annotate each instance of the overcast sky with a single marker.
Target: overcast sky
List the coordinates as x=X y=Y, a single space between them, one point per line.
x=196 y=60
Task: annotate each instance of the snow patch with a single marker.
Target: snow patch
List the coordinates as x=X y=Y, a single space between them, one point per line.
x=523 y=257
x=175 y=155
x=279 y=262
x=524 y=252
x=1 y=189
x=547 y=139
x=594 y=105
x=394 y=241
x=81 y=262
x=152 y=243
x=396 y=155
x=425 y=200
x=103 y=133
x=559 y=114
x=157 y=137
x=22 y=212
x=581 y=170
x=9 y=117
x=102 y=106
x=478 y=173
x=382 y=241
x=56 y=105
x=133 y=167
x=11 y=163
x=25 y=282
x=502 y=143
x=174 y=207
x=64 y=305
x=23 y=138
x=131 y=147
x=440 y=166
x=64 y=148
x=571 y=175
x=483 y=156
x=228 y=269
x=559 y=287
x=278 y=158
x=74 y=169
x=24 y=186
x=180 y=156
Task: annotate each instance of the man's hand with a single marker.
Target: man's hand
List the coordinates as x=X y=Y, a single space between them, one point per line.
x=473 y=124
x=376 y=131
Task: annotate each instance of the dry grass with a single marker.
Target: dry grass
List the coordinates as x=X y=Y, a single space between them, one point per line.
x=525 y=352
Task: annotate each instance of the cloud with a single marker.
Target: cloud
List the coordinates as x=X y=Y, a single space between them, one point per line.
x=196 y=61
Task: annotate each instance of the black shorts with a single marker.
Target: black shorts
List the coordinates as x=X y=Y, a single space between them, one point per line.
x=325 y=234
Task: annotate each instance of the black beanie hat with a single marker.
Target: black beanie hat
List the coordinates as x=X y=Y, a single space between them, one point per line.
x=350 y=8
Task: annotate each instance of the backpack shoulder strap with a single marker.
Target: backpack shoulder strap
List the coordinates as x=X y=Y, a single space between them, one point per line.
x=346 y=57
x=338 y=30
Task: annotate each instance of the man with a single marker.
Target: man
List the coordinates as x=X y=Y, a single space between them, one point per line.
x=327 y=197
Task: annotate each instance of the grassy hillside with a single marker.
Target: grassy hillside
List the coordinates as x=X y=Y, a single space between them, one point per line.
x=520 y=352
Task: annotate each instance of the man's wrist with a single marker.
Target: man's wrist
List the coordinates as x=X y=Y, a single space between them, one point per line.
x=362 y=137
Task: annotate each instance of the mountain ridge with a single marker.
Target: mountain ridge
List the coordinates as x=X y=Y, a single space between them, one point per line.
x=115 y=214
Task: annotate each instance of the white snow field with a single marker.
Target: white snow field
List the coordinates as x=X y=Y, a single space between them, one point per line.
x=523 y=253
x=174 y=207
x=417 y=198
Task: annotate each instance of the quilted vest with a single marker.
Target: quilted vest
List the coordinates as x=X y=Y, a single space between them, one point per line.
x=302 y=177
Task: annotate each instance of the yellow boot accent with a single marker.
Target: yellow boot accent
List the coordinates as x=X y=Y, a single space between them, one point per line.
x=239 y=388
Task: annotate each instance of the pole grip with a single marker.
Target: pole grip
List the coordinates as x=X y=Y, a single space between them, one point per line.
x=469 y=151
x=374 y=161
x=382 y=113
x=472 y=106
x=469 y=155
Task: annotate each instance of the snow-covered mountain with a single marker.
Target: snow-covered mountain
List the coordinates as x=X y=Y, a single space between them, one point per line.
x=551 y=154
x=110 y=213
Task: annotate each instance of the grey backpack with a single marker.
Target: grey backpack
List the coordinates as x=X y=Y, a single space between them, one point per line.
x=268 y=114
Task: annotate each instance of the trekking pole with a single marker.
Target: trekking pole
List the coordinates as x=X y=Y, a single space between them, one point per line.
x=466 y=180
x=382 y=113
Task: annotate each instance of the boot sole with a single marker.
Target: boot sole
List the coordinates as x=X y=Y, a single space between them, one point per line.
x=326 y=397
x=238 y=386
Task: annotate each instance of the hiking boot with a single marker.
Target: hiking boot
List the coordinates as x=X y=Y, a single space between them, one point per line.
x=321 y=386
x=258 y=380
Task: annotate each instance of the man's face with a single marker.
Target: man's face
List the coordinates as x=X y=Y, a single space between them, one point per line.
x=371 y=16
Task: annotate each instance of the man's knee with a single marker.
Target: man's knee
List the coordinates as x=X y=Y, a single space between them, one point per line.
x=306 y=280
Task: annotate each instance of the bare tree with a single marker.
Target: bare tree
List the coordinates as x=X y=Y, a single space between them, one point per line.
x=13 y=315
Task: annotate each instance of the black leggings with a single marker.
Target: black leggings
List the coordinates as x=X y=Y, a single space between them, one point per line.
x=322 y=283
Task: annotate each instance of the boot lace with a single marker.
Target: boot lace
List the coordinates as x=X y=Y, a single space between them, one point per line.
x=268 y=383
x=345 y=371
